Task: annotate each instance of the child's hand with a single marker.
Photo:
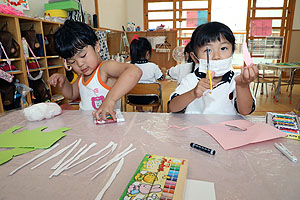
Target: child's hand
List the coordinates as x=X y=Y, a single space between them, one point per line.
x=203 y=85
x=248 y=74
x=106 y=108
x=164 y=70
x=57 y=79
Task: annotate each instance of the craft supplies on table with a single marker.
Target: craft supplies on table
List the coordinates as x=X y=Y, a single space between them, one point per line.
x=286 y=152
x=286 y=123
x=158 y=177
x=119 y=116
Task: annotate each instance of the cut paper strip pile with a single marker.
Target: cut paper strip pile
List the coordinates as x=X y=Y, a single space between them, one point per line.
x=27 y=140
x=66 y=163
x=245 y=133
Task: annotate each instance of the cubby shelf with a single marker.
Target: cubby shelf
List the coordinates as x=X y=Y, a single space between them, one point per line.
x=17 y=24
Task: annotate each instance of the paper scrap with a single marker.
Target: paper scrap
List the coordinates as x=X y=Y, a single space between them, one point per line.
x=54 y=155
x=61 y=168
x=195 y=190
x=230 y=139
x=180 y=128
x=111 y=179
x=65 y=156
x=7 y=155
x=35 y=138
x=98 y=159
x=34 y=158
x=93 y=155
x=81 y=154
x=246 y=54
x=115 y=159
x=241 y=124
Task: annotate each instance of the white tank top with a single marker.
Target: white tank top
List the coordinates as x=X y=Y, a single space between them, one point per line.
x=93 y=91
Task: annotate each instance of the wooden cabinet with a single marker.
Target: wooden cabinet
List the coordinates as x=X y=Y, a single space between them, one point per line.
x=49 y=64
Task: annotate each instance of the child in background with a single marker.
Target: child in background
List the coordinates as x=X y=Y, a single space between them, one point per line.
x=231 y=93
x=181 y=70
x=140 y=54
x=101 y=83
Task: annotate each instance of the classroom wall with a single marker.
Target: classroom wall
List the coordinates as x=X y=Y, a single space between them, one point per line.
x=295 y=39
x=296 y=23
x=294 y=55
x=135 y=12
x=37 y=7
x=112 y=14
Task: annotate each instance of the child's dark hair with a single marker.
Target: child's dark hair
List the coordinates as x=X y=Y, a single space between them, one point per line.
x=73 y=37
x=211 y=32
x=139 y=48
x=188 y=49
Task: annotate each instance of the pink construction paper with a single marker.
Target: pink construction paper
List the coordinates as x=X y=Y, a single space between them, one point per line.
x=261 y=27
x=229 y=139
x=191 y=19
x=247 y=57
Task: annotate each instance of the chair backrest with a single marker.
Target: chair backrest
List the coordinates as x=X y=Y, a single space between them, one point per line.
x=147 y=89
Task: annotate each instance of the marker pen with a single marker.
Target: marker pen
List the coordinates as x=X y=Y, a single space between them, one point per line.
x=286 y=152
x=202 y=148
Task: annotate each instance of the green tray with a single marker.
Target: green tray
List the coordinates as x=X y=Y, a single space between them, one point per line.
x=67 y=5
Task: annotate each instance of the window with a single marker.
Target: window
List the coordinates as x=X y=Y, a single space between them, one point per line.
x=183 y=15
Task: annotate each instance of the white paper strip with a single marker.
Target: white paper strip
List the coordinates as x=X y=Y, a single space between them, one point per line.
x=33 y=159
x=93 y=155
x=54 y=155
x=98 y=159
x=81 y=154
x=67 y=154
x=61 y=168
x=112 y=161
x=118 y=155
x=111 y=179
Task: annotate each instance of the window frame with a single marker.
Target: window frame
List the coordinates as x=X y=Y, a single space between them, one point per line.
x=180 y=38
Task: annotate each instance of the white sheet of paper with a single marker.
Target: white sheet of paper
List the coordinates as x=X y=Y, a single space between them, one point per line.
x=195 y=190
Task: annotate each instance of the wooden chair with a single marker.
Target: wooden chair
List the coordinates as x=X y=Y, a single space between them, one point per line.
x=145 y=90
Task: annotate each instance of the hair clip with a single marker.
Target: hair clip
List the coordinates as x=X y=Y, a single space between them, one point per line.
x=66 y=65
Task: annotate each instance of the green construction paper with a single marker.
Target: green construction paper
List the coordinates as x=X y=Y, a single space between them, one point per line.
x=9 y=154
x=35 y=138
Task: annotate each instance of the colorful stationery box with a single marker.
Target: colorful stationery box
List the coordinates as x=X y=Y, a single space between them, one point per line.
x=158 y=177
x=286 y=123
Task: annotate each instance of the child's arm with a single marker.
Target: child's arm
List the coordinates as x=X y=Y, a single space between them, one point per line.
x=182 y=101
x=70 y=91
x=127 y=76
x=244 y=97
x=174 y=72
x=159 y=75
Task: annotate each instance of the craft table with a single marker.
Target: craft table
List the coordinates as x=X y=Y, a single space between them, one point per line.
x=291 y=67
x=256 y=171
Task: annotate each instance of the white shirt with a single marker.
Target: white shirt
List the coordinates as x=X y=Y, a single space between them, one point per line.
x=180 y=71
x=151 y=72
x=220 y=101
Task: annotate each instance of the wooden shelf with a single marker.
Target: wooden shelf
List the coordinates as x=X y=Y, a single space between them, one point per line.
x=284 y=30
x=17 y=24
x=11 y=59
